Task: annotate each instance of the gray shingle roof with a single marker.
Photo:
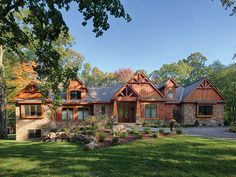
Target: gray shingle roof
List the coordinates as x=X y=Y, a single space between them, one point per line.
x=97 y=94
x=189 y=89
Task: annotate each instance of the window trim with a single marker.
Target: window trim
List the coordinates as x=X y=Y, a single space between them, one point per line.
x=75 y=91
x=145 y=107
x=207 y=116
x=31 y=117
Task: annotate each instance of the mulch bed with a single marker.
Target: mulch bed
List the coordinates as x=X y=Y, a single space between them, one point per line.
x=129 y=138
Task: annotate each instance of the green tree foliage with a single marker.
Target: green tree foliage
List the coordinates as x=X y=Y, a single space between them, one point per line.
x=197 y=62
x=180 y=71
x=40 y=24
x=223 y=77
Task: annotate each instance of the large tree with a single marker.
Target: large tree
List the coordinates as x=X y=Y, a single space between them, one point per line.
x=45 y=20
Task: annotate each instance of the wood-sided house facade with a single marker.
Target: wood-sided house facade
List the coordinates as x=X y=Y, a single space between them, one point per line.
x=133 y=102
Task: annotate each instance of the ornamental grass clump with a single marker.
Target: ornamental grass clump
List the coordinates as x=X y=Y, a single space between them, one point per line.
x=101 y=136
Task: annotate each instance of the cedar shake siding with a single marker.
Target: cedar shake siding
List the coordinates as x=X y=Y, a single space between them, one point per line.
x=135 y=101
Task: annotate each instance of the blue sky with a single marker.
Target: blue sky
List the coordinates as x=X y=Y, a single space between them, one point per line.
x=160 y=32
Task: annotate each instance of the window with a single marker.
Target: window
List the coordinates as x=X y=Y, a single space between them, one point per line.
x=31 y=111
x=205 y=110
x=151 y=110
x=103 y=110
x=75 y=95
x=83 y=113
x=67 y=114
x=170 y=94
x=34 y=133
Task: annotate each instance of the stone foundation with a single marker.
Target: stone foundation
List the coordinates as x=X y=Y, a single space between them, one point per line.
x=189 y=112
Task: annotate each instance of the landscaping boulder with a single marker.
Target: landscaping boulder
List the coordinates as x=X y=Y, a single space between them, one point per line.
x=119 y=128
x=90 y=146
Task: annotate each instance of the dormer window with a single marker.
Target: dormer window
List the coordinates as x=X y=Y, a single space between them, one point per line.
x=170 y=94
x=75 y=94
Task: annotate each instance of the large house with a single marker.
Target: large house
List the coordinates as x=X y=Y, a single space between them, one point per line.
x=133 y=102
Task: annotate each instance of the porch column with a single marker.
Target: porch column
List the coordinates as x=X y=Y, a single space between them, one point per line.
x=138 y=112
x=115 y=112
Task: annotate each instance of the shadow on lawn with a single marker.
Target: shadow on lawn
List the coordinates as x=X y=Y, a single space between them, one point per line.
x=154 y=157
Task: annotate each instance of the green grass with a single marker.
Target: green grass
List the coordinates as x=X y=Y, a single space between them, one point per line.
x=172 y=156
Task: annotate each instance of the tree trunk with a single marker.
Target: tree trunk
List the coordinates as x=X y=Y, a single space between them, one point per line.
x=3 y=113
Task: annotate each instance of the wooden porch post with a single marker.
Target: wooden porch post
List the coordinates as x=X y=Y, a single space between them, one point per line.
x=138 y=111
x=115 y=112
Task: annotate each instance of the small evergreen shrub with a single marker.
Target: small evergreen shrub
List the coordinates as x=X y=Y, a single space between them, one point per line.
x=157 y=123
x=147 y=130
x=161 y=131
x=196 y=124
x=179 y=131
x=115 y=140
x=101 y=136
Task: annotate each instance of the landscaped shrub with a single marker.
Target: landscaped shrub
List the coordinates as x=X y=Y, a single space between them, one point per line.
x=157 y=123
x=147 y=130
x=101 y=136
x=145 y=124
x=196 y=124
x=232 y=129
x=138 y=135
x=172 y=124
x=161 y=130
x=156 y=134
x=179 y=131
x=124 y=134
x=134 y=130
x=115 y=140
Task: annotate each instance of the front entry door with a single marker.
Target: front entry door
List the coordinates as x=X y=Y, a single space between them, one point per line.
x=126 y=112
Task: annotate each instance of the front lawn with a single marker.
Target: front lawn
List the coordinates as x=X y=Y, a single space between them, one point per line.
x=170 y=156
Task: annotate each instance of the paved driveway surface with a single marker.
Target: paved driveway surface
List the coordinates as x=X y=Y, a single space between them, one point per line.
x=210 y=132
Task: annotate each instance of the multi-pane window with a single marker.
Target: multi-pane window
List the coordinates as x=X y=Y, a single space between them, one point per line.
x=32 y=111
x=67 y=113
x=150 y=110
x=83 y=113
x=205 y=110
x=75 y=95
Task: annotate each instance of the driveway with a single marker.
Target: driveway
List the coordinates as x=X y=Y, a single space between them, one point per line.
x=210 y=132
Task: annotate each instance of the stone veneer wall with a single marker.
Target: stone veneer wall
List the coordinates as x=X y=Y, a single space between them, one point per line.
x=190 y=115
x=23 y=125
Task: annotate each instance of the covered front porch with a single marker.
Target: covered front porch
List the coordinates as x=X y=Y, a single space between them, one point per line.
x=126 y=111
